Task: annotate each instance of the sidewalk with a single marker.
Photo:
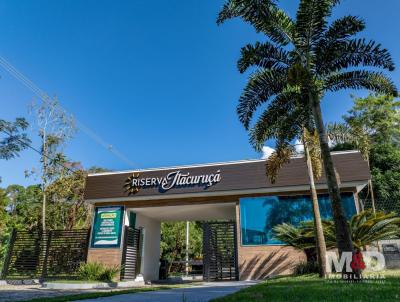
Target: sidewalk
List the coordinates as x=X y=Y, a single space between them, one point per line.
x=200 y=293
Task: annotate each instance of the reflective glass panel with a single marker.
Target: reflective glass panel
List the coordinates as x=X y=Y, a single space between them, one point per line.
x=258 y=215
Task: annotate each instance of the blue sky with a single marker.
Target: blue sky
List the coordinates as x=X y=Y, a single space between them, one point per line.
x=156 y=79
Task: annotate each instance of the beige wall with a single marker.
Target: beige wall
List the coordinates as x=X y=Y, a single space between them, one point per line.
x=260 y=262
x=151 y=233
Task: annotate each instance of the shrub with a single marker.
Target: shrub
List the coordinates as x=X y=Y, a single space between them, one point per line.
x=109 y=274
x=94 y=271
x=305 y=268
x=366 y=229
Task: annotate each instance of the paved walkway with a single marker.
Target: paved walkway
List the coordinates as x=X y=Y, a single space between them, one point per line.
x=28 y=292
x=198 y=293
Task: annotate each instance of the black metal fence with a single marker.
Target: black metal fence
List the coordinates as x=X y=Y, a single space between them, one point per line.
x=52 y=254
x=220 y=251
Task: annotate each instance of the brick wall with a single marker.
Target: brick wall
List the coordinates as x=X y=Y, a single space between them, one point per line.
x=109 y=257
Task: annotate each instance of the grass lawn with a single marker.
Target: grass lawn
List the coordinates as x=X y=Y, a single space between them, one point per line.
x=311 y=288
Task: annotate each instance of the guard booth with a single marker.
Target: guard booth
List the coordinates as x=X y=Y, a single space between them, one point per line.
x=236 y=202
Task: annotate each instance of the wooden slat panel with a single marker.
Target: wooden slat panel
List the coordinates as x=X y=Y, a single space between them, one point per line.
x=54 y=254
x=130 y=254
x=236 y=176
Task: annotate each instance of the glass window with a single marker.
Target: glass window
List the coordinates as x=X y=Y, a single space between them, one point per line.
x=258 y=215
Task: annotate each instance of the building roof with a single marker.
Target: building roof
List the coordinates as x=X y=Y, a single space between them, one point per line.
x=239 y=177
x=232 y=162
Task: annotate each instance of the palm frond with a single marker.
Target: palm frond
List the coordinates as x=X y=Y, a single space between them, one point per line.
x=264 y=16
x=311 y=20
x=265 y=55
x=249 y=10
x=366 y=228
x=282 y=120
x=303 y=236
x=281 y=28
x=359 y=79
x=277 y=159
x=343 y=28
x=353 y=53
x=261 y=86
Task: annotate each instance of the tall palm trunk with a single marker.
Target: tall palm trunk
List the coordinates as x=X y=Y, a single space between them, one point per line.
x=319 y=233
x=343 y=237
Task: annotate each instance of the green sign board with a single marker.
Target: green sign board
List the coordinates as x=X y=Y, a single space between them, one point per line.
x=107 y=227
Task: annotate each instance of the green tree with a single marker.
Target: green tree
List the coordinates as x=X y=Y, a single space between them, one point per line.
x=303 y=59
x=67 y=207
x=4 y=219
x=13 y=139
x=20 y=208
x=173 y=241
x=24 y=206
x=378 y=116
x=385 y=170
x=54 y=127
x=372 y=126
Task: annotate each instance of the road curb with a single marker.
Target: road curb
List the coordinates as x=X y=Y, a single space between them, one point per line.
x=99 y=285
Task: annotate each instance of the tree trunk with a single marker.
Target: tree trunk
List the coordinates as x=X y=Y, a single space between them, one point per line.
x=44 y=210
x=371 y=189
x=343 y=237
x=319 y=233
x=44 y=159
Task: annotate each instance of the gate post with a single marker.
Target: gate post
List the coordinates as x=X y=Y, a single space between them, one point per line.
x=206 y=251
x=138 y=264
x=236 y=252
x=9 y=253
x=87 y=244
x=124 y=247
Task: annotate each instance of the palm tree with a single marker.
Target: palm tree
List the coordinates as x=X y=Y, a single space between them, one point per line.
x=302 y=237
x=303 y=59
x=285 y=124
x=366 y=229
x=312 y=154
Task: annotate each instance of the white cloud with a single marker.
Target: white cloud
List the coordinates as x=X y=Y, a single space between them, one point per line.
x=267 y=151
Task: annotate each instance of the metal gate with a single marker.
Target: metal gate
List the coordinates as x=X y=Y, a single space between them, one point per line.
x=130 y=265
x=220 y=251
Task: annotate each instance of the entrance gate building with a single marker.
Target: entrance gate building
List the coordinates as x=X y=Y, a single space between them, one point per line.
x=130 y=206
